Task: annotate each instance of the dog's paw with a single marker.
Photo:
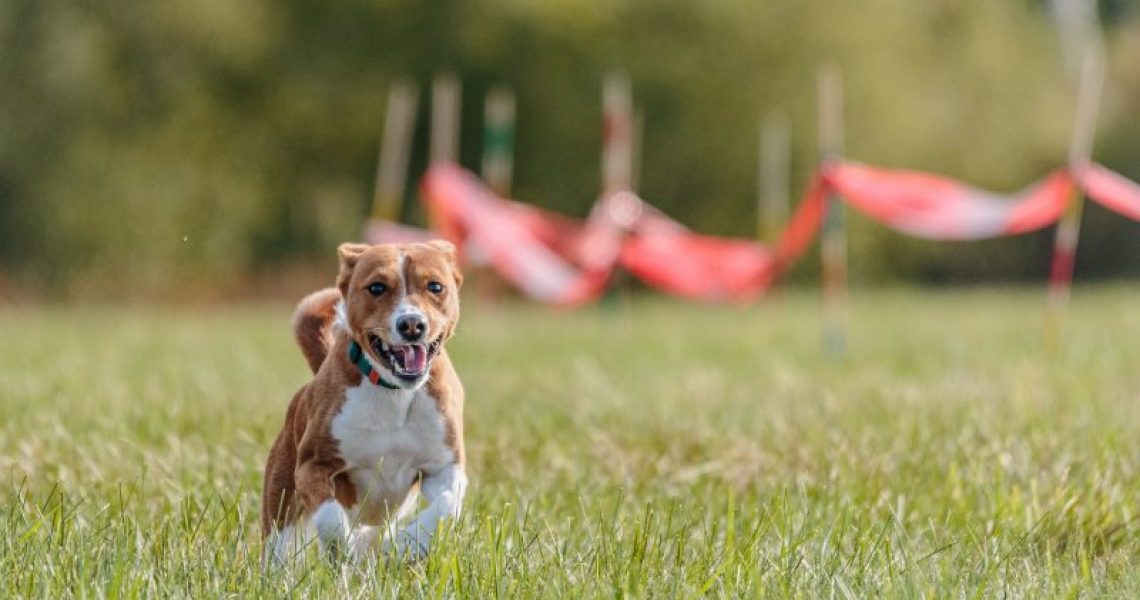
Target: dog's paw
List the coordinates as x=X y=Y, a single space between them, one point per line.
x=332 y=526
x=362 y=544
x=406 y=546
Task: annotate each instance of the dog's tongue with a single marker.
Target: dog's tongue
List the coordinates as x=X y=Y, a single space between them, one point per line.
x=412 y=356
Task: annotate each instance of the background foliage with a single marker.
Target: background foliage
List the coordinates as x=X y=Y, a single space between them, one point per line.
x=163 y=142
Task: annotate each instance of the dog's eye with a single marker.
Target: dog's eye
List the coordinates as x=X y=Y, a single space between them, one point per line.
x=376 y=289
x=435 y=287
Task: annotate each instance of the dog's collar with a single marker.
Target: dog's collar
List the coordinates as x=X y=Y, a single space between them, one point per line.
x=356 y=356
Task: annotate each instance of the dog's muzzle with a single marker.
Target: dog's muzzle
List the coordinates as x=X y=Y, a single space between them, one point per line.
x=409 y=362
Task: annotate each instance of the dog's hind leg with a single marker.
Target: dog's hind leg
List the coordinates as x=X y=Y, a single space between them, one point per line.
x=283 y=546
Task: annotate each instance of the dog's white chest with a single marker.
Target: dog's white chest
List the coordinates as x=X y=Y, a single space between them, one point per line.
x=387 y=439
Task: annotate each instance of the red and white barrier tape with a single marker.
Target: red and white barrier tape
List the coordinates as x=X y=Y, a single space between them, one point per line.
x=564 y=261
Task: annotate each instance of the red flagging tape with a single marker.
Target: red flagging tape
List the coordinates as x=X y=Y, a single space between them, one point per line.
x=1111 y=190
x=565 y=261
x=935 y=207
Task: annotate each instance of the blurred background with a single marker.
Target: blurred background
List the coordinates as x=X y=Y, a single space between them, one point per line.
x=170 y=149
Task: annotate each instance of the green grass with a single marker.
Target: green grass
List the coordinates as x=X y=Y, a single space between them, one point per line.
x=671 y=450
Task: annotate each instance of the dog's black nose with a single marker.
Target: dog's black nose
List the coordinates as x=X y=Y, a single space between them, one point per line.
x=411 y=327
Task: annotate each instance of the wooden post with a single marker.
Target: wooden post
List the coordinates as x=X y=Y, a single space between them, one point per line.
x=617 y=135
x=1077 y=27
x=1083 y=56
x=833 y=245
x=1069 y=228
x=772 y=196
x=498 y=140
x=445 y=105
x=395 y=149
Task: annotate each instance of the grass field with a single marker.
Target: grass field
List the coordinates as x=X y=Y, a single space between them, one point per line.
x=670 y=449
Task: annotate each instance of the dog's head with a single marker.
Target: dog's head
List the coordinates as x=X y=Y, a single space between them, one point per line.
x=401 y=303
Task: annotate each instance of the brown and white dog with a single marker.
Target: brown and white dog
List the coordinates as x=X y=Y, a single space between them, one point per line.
x=383 y=414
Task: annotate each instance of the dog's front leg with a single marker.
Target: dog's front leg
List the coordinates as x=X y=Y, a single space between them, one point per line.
x=325 y=514
x=443 y=490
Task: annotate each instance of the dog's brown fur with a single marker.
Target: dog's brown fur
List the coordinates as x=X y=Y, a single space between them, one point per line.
x=305 y=467
x=313 y=325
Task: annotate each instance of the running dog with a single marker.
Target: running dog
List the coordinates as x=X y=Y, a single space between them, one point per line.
x=382 y=417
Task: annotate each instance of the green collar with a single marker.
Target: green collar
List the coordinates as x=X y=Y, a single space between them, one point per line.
x=356 y=356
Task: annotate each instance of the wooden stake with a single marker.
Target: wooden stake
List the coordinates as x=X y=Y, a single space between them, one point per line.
x=395 y=149
x=498 y=140
x=1069 y=227
x=617 y=135
x=1077 y=27
x=772 y=196
x=445 y=105
x=833 y=245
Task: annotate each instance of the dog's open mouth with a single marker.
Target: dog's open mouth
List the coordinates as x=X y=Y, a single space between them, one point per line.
x=407 y=361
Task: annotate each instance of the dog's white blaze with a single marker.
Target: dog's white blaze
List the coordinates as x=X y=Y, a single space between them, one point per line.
x=403 y=307
x=387 y=438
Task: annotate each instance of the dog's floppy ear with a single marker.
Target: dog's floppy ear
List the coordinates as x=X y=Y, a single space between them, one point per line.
x=448 y=251
x=349 y=253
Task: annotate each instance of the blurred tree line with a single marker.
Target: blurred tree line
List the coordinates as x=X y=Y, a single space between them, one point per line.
x=151 y=144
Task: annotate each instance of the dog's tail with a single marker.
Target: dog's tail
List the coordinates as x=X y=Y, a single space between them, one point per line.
x=313 y=324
